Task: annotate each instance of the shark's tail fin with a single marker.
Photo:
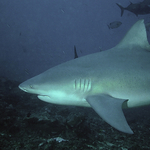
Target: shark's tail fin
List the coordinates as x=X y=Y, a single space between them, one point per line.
x=122 y=9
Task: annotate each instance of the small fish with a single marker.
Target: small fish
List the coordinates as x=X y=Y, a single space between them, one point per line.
x=114 y=24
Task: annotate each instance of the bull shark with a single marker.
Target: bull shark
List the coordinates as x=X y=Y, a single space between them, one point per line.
x=107 y=81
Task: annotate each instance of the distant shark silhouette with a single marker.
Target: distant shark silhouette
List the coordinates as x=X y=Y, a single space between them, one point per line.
x=107 y=81
x=141 y=8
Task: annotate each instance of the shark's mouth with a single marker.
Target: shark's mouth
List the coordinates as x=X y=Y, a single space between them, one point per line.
x=39 y=95
x=45 y=98
x=24 y=89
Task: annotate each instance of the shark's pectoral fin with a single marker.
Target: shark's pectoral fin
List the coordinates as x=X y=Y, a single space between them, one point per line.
x=110 y=109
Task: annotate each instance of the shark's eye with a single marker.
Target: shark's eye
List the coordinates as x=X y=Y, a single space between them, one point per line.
x=31 y=86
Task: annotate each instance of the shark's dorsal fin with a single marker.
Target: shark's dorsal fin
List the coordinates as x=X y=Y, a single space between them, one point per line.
x=135 y=37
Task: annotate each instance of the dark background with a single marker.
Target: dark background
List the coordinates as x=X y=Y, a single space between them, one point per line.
x=36 y=35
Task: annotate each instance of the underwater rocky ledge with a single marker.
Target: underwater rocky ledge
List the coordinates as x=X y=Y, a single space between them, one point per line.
x=27 y=123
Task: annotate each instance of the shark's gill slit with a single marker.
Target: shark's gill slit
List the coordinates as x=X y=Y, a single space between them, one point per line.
x=80 y=84
x=84 y=85
x=89 y=85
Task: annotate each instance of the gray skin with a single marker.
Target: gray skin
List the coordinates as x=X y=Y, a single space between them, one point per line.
x=106 y=81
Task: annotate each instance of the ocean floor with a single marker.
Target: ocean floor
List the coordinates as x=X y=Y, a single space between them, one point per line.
x=27 y=123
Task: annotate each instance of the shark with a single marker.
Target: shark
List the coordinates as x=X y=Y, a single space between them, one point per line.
x=108 y=81
x=140 y=8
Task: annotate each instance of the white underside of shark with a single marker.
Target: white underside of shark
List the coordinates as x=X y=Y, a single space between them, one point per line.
x=106 y=81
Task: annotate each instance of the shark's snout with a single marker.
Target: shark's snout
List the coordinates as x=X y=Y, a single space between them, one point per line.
x=23 y=88
x=30 y=88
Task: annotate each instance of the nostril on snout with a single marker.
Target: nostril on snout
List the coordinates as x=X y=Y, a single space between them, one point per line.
x=31 y=86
